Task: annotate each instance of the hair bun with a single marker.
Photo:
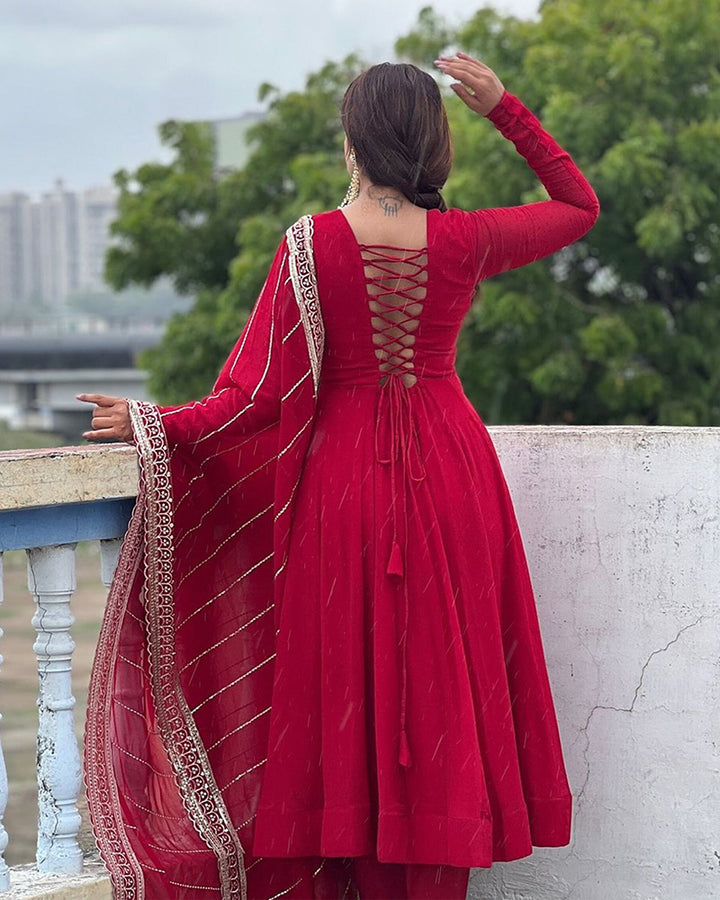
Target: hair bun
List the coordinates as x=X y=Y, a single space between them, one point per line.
x=430 y=200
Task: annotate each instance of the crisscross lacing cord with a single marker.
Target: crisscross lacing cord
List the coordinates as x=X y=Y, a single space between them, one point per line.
x=395 y=286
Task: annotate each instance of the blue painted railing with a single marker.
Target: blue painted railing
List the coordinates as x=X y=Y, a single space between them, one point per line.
x=45 y=526
x=86 y=481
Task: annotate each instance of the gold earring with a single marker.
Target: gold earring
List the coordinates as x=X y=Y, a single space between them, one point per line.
x=353 y=191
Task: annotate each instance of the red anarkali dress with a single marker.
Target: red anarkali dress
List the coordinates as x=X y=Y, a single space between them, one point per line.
x=322 y=640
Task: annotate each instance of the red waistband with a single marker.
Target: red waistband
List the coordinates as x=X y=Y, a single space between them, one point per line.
x=346 y=378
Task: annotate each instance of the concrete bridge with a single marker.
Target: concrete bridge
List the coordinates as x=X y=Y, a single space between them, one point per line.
x=41 y=373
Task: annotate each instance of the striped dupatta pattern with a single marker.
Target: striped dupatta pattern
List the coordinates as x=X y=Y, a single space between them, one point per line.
x=181 y=685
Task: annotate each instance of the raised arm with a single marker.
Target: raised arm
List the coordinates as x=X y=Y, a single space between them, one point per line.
x=513 y=236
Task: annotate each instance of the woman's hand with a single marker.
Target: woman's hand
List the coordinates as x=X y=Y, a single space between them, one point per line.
x=110 y=418
x=485 y=88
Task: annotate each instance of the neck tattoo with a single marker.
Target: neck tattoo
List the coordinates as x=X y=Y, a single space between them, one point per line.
x=390 y=204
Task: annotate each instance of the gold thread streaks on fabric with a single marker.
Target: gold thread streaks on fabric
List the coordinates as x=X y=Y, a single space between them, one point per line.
x=225 y=590
x=232 y=683
x=217 y=743
x=227 y=638
x=193 y=774
x=243 y=774
x=233 y=448
x=139 y=759
x=222 y=543
x=221 y=498
x=286 y=891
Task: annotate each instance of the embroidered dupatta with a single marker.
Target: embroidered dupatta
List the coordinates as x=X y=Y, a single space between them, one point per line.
x=181 y=685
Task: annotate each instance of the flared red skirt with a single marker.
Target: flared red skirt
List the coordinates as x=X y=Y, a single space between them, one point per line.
x=412 y=715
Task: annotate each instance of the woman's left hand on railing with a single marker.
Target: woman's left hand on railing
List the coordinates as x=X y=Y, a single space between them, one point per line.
x=110 y=418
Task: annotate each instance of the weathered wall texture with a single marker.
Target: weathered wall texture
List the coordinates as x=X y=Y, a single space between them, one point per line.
x=66 y=475
x=622 y=531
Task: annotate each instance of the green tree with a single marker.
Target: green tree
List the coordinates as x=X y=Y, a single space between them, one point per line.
x=622 y=326
x=214 y=237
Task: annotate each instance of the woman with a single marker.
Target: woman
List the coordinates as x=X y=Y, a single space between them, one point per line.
x=321 y=672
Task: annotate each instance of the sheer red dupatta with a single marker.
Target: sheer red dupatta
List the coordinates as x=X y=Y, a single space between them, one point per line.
x=180 y=690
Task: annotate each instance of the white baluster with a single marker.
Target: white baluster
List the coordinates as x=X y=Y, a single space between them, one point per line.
x=51 y=579
x=109 y=553
x=4 y=871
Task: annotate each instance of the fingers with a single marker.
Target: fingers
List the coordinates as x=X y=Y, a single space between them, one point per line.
x=473 y=73
x=467 y=98
x=480 y=89
x=102 y=434
x=102 y=422
x=110 y=419
x=98 y=399
x=465 y=62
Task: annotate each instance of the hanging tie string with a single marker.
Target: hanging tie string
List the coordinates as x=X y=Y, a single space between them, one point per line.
x=396 y=437
x=395 y=411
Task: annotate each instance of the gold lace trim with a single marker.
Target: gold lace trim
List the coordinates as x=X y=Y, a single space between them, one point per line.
x=302 y=272
x=101 y=788
x=196 y=783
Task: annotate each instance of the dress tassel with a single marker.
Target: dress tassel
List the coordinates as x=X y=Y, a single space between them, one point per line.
x=404 y=757
x=395 y=563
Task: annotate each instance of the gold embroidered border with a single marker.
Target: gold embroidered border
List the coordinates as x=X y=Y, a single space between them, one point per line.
x=302 y=272
x=195 y=779
x=100 y=785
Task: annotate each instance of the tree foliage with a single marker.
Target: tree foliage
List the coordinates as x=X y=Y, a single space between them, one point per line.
x=214 y=237
x=623 y=326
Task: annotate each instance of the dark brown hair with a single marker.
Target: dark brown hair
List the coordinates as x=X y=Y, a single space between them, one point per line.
x=395 y=121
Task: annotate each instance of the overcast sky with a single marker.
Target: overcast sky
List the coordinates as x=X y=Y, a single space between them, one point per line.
x=84 y=83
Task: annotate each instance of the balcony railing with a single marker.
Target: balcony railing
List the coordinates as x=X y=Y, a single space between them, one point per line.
x=622 y=529
x=49 y=501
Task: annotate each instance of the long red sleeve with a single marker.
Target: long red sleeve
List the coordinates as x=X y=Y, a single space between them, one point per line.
x=513 y=236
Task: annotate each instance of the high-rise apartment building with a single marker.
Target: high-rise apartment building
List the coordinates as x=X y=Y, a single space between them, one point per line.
x=99 y=210
x=16 y=260
x=53 y=247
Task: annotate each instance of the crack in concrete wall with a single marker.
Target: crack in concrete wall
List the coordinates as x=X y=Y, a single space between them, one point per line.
x=624 y=709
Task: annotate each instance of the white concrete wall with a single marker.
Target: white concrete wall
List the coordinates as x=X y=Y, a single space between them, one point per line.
x=622 y=530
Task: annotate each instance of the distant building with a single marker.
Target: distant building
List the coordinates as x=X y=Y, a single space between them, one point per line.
x=53 y=247
x=57 y=241
x=232 y=147
x=100 y=209
x=56 y=246
x=16 y=259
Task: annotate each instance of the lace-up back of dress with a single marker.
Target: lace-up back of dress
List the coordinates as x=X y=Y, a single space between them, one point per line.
x=395 y=279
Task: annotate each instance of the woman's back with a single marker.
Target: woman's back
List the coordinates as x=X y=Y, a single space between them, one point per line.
x=395 y=288
x=391 y=308
x=408 y=615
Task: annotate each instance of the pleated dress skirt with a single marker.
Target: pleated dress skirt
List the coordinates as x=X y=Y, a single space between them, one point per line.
x=412 y=717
